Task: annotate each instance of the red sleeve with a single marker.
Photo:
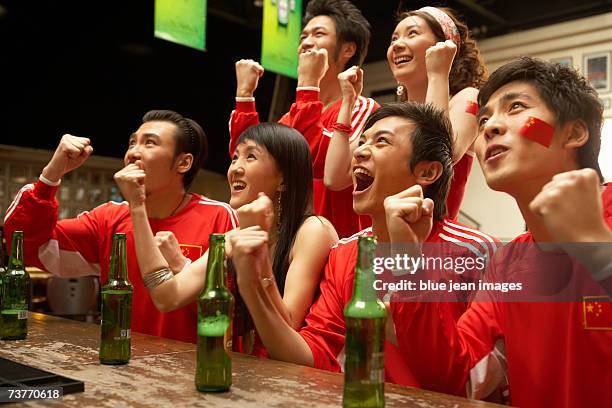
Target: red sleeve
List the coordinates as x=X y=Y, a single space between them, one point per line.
x=244 y=116
x=324 y=326
x=461 y=172
x=305 y=117
x=443 y=354
x=68 y=247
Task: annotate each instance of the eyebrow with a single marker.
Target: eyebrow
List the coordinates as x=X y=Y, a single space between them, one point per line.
x=506 y=98
x=315 y=28
x=148 y=134
x=378 y=133
x=406 y=28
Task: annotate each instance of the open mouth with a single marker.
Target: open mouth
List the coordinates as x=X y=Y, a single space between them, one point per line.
x=403 y=59
x=363 y=179
x=495 y=151
x=238 y=185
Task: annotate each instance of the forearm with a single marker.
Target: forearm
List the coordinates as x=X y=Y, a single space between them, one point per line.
x=437 y=92
x=280 y=339
x=276 y=300
x=337 y=174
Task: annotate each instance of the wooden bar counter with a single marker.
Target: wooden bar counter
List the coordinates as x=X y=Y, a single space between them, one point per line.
x=161 y=373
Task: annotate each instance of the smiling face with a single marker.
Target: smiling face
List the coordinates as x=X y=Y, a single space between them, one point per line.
x=253 y=170
x=406 y=53
x=509 y=160
x=380 y=164
x=154 y=143
x=320 y=32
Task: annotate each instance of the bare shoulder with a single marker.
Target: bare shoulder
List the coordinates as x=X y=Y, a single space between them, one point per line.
x=317 y=228
x=466 y=94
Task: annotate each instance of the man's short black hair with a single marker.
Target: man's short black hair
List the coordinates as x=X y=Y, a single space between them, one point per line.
x=431 y=141
x=564 y=91
x=351 y=26
x=190 y=138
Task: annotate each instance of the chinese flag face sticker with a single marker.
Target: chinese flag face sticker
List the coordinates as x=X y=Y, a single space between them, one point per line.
x=472 y=108
x=538 y=131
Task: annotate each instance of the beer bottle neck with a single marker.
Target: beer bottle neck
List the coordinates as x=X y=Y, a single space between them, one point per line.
x=363 y=287
x=118 y=261
x=215 y=269
x=16 y=259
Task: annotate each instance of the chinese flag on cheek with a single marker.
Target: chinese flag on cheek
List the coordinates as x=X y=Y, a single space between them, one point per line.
x=538 y=131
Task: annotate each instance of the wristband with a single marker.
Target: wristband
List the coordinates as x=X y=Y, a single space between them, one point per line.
x=245 y=99
x=308 y=88
x=49 y=182
x=341 y=127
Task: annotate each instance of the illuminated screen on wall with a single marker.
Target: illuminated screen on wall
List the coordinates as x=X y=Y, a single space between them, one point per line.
x=182 y=22
x=282 y=25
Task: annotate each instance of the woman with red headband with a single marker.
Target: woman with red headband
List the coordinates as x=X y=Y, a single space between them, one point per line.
x=433 y=59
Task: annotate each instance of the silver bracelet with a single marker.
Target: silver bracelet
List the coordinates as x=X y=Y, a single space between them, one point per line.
x=154 y=279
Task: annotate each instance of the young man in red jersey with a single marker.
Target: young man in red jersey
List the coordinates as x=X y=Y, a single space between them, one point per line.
x=539 y=124
x=171 y=149
x=403 y=164
x=335 y=37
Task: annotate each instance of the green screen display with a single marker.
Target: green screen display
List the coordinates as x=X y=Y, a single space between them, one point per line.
x=182 y=22
x=282 y=25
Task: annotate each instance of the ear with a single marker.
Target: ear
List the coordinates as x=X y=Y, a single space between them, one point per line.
x=347 y=51
x=183 y=162
x=576 y=134
x=427 y=172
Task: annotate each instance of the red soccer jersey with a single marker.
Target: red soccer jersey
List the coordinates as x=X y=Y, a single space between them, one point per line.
x=324 y=329
x=557 y=354
x=81 y=246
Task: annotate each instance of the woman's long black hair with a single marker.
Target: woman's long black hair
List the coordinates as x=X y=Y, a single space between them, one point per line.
x=292 y=155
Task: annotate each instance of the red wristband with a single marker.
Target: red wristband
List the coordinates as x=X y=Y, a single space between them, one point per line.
x=342 y=127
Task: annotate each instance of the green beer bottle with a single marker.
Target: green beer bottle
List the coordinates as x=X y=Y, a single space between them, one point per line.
x=364 y=367
x=15 y=294
x=215 y=309
x=115 y=342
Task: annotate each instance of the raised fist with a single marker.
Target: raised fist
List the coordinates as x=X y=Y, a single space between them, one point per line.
x=351 y=83
x=409 y=216
x=439 y=58
x=70 y=154
x=131 y=182
x=312 y=66
x=248 y=73
x=259 y=212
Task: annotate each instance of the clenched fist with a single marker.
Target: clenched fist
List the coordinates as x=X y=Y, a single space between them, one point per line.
x=439 y=58
x=570 y=206
x=131 y=182
x=409 y=216
x=71 y=153
x=248 y=73
x=312 y=66
x=169 y=247
x=259 y=212
x=351 y=83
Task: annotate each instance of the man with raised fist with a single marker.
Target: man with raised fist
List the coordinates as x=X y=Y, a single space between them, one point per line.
x=335 y=37
x=168 y=149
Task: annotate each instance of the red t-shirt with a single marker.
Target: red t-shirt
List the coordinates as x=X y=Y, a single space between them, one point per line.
x=81 y=246
x=324 y=328
x=557 y=354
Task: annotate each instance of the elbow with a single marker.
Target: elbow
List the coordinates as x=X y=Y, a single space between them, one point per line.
x=333 y=183
x=164 y=306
